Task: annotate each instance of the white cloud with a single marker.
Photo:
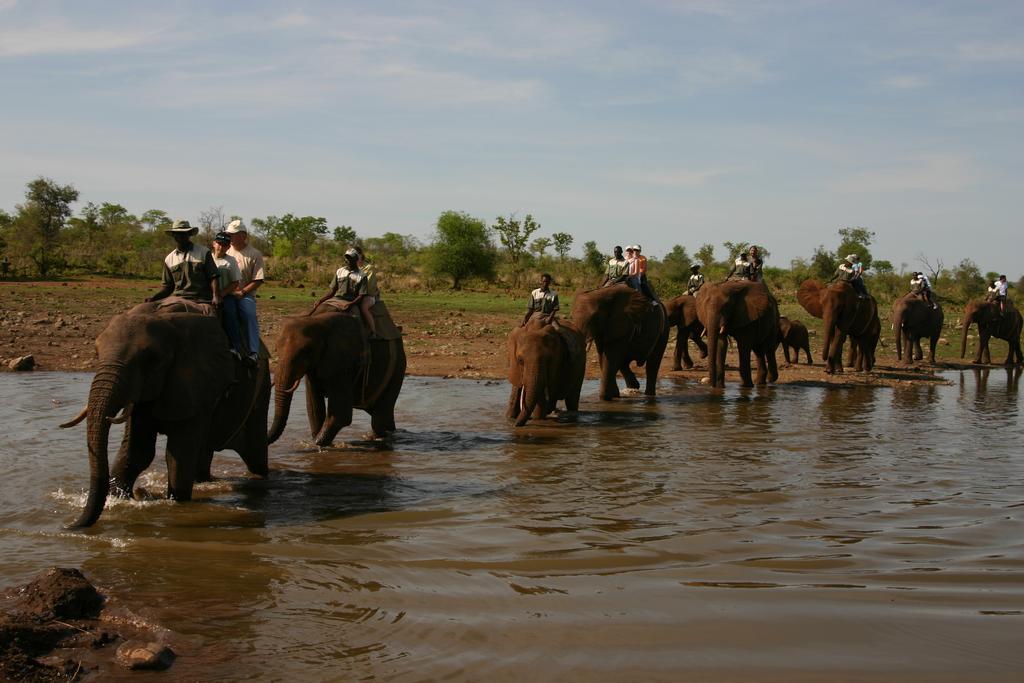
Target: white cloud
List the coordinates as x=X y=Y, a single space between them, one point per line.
x=59 y=38
x=679 y=178
x=991 y=51
x=293 y=20
x=904 y=82
x=930 y=173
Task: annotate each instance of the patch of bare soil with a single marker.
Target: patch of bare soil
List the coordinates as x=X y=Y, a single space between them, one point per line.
x=57 y=323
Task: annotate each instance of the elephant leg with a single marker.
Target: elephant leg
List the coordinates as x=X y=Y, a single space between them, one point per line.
x=138 y=449
x=653 y=367
x=700 y=345
x=316 y=410
x=918 y=351
x=744 y=353
x=204 y=462
x=785 y=353
x=807 y=352
x=184 y=444
x=932 y=343
x=609 y=385
x=629 y=377
x=679 y=352
x=339 y=415
x=687 y=360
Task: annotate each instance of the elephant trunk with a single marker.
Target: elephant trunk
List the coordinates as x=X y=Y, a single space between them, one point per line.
x=282 y=406
x=105 y=400
x=533 y=387
x=714 y=358
x=963 y=334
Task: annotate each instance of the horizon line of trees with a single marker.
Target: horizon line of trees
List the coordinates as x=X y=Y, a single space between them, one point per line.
x=43 y=237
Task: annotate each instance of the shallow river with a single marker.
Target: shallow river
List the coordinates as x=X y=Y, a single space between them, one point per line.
x=786 y=533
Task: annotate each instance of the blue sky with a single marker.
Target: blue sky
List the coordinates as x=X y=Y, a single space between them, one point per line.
x=661 y=122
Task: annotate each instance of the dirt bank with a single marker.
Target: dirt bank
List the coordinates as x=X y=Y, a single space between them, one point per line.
x=57 y=323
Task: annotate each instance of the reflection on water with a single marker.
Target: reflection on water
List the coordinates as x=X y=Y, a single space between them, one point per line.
x=881 y=527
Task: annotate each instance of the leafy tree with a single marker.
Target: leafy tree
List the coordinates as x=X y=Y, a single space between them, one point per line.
x=563 y=241
x=514 y=234
x=36 y=229
x=734 y=249
x=462 y=248
x=883 y=267
x=398 y=252
x=540 y=245
x=823 y=263
x=676 y=265
x=967 y=278
x=290 y=235
x=345 y=234
x=706 y=254
x=593 y=259
x=856 y=241
x=156 y=219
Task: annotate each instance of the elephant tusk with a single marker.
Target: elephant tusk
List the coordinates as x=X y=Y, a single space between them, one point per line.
x=293 y=387
x=124 y=415
x=78 y=418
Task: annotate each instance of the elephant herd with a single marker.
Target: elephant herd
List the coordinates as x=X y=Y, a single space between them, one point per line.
x=163 y=370
x=547 y=360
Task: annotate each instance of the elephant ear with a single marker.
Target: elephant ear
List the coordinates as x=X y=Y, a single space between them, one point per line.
x=202 y=368
x=809 y=296
x=515 y=370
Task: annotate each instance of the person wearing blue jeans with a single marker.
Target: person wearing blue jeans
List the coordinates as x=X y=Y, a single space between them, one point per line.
x=250 y=263
x=230 y=278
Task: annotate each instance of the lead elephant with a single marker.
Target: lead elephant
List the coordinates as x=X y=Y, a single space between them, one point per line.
x=793 y=334
x=343 y=370
x=912 y=319
x=844 y=315
x=546 y=364
x=682 y=315
x=985 y=314
x=624 y=327
x=170 y=374
x=747 y=312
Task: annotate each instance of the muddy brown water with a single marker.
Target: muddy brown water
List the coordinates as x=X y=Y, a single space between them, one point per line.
x=794 y=532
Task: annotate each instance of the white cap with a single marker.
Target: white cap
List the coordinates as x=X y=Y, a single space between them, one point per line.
x=236 y=226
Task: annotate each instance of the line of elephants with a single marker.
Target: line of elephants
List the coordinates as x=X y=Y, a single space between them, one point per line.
x=164 y=370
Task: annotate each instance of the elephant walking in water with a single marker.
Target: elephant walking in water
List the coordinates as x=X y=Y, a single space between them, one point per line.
x=170 y=374
x=845 y=315
x=747 y=312
x=682 y=315
x=990 y=324
x=546 y=364
x=343 y=370
x=624 y=327
x=912 y=319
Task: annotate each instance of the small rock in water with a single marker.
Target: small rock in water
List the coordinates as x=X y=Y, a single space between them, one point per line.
x=23 y=363
x=134 y=654
x=705 y=380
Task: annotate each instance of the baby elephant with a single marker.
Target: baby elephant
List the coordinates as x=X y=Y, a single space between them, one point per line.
x=793 y=335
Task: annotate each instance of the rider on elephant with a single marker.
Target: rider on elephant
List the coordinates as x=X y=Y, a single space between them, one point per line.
x=741 y=268
x=696 y=280
x=997 y=293
x=190 y=273
x=229 y=278
x=250 y=265
x=638 y=274
x=756 y=265
x=921 y=286
x=617 y=269
x=851 y=271
x=353 y=285
x=543 y=299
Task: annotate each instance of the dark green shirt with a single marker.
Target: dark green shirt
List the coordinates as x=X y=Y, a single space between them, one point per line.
x=191 y=273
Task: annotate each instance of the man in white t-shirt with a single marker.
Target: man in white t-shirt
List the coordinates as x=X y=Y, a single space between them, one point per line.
x=250 y=265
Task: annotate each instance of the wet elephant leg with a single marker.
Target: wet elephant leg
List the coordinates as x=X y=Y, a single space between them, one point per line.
x=629 y=377
x=609 y=368
x=138 y=449
x=183 y=447
x=744 y=353
x=339 y=416
x=316 y=411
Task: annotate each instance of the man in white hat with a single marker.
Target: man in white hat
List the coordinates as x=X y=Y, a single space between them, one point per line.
x=250 y=263
x=190 y=272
